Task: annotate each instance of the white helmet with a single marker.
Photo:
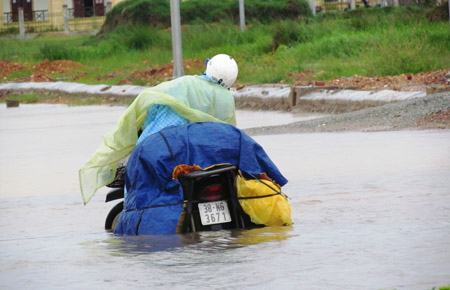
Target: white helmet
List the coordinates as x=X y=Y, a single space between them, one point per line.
x=223 y=69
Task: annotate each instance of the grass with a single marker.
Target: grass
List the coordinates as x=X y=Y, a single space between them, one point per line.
x=70 y=99
x=376 y=41
x=25 y=98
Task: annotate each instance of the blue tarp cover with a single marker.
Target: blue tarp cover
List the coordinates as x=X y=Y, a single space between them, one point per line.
x=154 y=201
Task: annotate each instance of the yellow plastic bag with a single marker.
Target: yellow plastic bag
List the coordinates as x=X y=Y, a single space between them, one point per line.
x=270 y=210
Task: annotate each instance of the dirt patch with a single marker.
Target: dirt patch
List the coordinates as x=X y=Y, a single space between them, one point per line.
x=153 y=74
x=437 y=120
x=8 y=67
x=42 y=71
x=432 y=82
x=165 y=72
x=439 y=80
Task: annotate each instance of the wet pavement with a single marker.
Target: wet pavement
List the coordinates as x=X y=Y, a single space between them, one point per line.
x=370 y=211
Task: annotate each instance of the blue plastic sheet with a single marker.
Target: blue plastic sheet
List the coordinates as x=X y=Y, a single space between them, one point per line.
x=155 y=201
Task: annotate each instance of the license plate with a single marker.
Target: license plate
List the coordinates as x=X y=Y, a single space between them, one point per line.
x=215 y=212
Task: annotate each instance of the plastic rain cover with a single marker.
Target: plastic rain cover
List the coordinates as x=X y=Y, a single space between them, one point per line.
x=192 y=97
x=155 y=200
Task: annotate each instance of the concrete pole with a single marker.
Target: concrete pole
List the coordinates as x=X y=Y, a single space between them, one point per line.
x=396 y=3
x=1 y=15
x=177 y=51
x=312 y=4
x=66 y=19
x=352 y=4
x=242 y=15
x=21 y=23
x=108 y=7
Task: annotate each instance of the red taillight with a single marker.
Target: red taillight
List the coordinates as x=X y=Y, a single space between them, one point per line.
x=212 y=193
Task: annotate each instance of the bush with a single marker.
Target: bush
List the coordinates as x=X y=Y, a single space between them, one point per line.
x=138 y=12
x=139 y=37
x=207 y=11
x=157 y=12
x=439 y=13
x=10 y=30
x=290 y=32
x=54 y=52
x=268 y=11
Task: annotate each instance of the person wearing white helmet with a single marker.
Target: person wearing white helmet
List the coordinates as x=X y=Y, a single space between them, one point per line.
x=222 y=69
x=184 y=100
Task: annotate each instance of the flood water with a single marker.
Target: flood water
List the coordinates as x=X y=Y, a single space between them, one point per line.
x=370 y=211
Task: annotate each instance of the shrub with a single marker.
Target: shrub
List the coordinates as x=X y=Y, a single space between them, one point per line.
x=54 y=52
x=10 y=30
x=140 y=37
x=439 y=13
x=157 y=12
x=289 y=32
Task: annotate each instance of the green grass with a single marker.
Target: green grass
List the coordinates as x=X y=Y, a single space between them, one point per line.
x=376 y=41
x=25 y=98
x=70 y=99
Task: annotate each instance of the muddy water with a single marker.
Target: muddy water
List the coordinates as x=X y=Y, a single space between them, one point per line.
x=371 y=211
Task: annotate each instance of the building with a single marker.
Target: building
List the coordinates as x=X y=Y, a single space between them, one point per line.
x=50 y=12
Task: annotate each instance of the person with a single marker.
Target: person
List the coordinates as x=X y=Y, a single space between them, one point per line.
x=184 y=100
x=155 y=200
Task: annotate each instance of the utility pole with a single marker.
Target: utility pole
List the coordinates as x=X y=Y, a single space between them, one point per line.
x=312 y=5
x=21 y=23
x=177 y=51
x=242 y=15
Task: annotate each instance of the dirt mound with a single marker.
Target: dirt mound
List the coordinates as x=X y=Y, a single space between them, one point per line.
x=153 y=74
x=165 y=72
x=58 y=66
x=404 y=82
x=9 y=67
x=46 y=71
x=45 y=68
x=438 y=120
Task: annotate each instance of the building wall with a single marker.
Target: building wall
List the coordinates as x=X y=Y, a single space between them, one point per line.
x=69 y=4
x=55 y=10
x=56 y=6
x=5 y=7
x=114 y=2
x=40 y=5
x=50 y=5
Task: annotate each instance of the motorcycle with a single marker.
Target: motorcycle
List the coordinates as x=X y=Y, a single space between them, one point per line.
x=168 y=193
x=210 y=197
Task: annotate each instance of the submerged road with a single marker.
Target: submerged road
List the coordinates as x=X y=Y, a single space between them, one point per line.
x=370 y=211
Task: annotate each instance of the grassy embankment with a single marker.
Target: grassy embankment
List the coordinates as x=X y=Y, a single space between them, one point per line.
x=375 y=41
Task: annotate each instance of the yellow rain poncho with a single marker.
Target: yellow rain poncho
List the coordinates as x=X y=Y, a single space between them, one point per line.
x=192 y=97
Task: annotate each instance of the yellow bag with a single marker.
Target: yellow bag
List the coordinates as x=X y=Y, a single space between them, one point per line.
x=271 y=210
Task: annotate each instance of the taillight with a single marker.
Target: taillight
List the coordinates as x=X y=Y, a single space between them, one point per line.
x=212 y=192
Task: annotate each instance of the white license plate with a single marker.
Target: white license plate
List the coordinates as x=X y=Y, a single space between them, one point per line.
x=215 y=212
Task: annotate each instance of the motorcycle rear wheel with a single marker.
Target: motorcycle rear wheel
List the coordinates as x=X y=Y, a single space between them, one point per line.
x=113 y=217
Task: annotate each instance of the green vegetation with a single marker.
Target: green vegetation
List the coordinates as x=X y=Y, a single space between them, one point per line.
x=70 y=99
x=374 y=41
x=157 y=12
x=441 y=288
x=25 y=98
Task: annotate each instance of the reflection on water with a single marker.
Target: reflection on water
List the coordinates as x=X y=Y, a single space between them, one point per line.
x=370 y=211
x=201 y=241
